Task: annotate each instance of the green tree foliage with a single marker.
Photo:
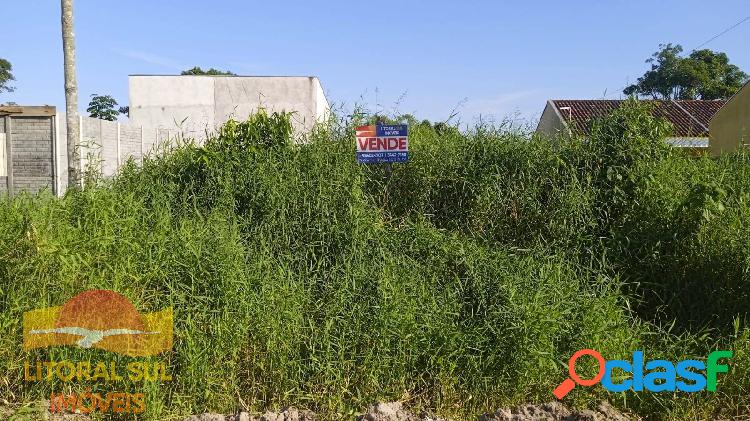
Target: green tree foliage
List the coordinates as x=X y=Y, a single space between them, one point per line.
x=703 y=74
x=210 y=72
x=102 y=106
x=6 y=76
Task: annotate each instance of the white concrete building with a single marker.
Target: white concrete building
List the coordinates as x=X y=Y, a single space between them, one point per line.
x=195 y=105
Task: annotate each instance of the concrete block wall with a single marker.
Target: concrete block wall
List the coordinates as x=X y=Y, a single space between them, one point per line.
x=32 y=154
x=106 y=146
x=130 y=142
x=39 y=155
x=91 y=144
x=27 y=146
x=109 y=152
x=99 y=148
x=3 y=179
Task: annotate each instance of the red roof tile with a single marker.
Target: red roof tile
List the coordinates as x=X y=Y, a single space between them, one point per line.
x=689 y=117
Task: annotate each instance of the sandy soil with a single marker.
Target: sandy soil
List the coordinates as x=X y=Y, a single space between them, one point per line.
x=383 y=411
x=394 y=411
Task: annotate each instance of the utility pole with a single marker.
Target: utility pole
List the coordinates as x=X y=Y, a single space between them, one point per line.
x=71 y=94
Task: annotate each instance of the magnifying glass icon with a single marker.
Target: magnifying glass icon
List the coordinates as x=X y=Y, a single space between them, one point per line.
x=568 y=384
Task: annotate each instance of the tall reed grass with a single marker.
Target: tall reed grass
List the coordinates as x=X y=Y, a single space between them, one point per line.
x=461 y=283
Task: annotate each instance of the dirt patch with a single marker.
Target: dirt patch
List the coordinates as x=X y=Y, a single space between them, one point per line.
x=289 y=414
x=382 y=411
x=555 y=411
x=393 y=411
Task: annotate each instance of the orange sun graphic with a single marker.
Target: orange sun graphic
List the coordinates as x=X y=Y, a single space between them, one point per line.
x=100 y=319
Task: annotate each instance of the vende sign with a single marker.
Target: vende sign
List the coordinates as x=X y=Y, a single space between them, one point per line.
x=382 y=144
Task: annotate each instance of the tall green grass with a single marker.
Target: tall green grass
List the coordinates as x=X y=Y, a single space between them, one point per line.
x=461 y=283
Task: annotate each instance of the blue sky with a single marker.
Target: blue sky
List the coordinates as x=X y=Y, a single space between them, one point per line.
x=490 y=58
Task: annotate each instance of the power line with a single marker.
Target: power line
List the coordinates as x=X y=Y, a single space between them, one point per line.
x=709 y=40
x=723 y=32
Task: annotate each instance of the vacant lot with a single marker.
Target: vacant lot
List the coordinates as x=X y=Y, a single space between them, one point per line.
x=460 y=284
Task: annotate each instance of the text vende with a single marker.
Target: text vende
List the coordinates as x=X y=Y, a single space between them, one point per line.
x=382 y=144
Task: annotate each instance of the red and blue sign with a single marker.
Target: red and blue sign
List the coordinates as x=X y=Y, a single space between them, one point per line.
x=382 y=144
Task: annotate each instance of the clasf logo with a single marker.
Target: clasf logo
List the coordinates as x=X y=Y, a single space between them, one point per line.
x=653 y=376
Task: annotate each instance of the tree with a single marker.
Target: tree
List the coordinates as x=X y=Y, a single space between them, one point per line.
x=703 y=74
x=6 y=76
x=210 y=72
x=102 y=106
x=711 y=76
x=124 y=110
x=71 y=93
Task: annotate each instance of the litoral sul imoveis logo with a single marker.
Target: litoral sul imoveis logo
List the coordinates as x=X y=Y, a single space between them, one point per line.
x=105 y=320
x=653 y=376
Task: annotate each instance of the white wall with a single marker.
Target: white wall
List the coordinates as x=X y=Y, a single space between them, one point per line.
x=551 y=122
x=172 y=102
x=106 y=145
x=163 y=108
x=322 y=107
x=3 y=157
x=195 y=104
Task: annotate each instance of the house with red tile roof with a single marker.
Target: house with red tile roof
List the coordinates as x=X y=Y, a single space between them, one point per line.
x=690 y=118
